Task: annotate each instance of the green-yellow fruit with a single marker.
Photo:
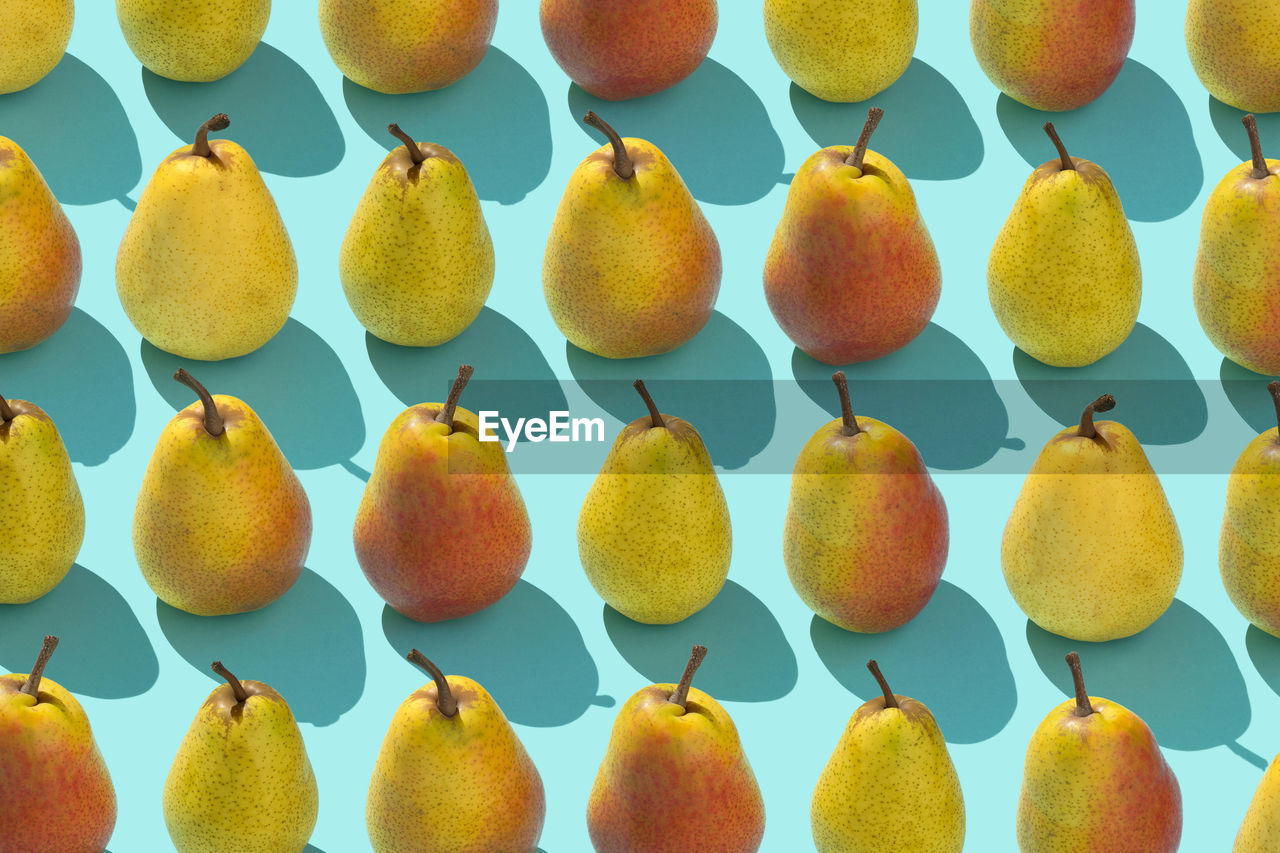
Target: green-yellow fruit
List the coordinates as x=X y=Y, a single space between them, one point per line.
x=1232 y=45
x=205 y=269
x=42 y=526
x=1091 y=550
x=241 y=781
x=194 y=41
x=653 y=532
x=1064 y=278
x=32 y=41
x=417 y=261
x=1260 y=831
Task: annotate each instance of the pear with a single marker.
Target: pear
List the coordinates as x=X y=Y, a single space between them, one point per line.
x=653 y=532
x=32 y=41
x=632 y=267
x=674 y=776
x=193 y=44
x=40 y=259
x=1091 y=550
x=56 y=792
x=1064 y=278
x=1236 y=283
x=452 y=776
x=1260 y=831
x=866 y=532
x=442 y=531
x=890 y=784
x=222 y=524
x=206 y=269
x=1095 y=780
x=241 y=781
x=842 y=51
x=851 y=273
x=1232 y=45
x=407 y=45
x=417 y=261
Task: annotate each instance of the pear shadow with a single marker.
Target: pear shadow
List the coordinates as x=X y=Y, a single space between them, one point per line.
x=748 y=657
x=890 y=389
x=945 y=657
x=1156 y=395
x=511 y=649
x=308 y=645
x=928 y=131
x=54 y=120
x=82 y=378
x=1155 y=672
x=1264 y=651
x=1228 y=121
x=1138 y=131
x=1247 y=392
x=102 y=649
x=720 y=382
x=713 y=127
x=311 y=848
x=277 y=113
x=502 y=168
x=297 y=385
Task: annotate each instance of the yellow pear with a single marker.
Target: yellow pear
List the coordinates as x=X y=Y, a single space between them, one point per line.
x=32 y=40
x=1260 y=831
x=193 y=43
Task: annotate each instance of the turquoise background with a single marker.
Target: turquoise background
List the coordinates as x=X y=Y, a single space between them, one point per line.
x=557 y=661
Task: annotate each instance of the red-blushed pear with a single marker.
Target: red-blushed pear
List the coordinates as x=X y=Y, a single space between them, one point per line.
x=55 y=792
x=674 y=776
x=441 y=531
x=1095 y=780
x=852 y=273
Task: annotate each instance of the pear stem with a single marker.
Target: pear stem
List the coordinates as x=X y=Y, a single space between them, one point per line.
x=213 y=423
x=415 y=153
x=1083 y=707
x=6 y=413
x=622 y=162
x=1260 y=169
x=237 y=689
x=655 y=417
x=1067 y=164
x=890 y=701
x=201 y=147
x=1274 y=387
x=681 y=696
x=451 y=405
x=31 y=686
x=860 y=150
x=1105 y=403
x=846 y=405
x=445 y=700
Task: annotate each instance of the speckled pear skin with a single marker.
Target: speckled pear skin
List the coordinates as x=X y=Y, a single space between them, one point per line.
x=222 y=524
x=1091 y=550
x=417 y=260
x=1064 y=278
x=842 y=52
x=1260 y=830
x=42 y=526
x=1232 y=48
x=400 y=46
x=193 y=41
x=852 y=273
x=1052 y=54
x=1249 y=544
x=604 y=50
x=865 y=538
x=632 y=267
x=206 y=270
x=674 y=779
x=33 y=40
x=241 y=781
x=40 y=260
x=471 y=767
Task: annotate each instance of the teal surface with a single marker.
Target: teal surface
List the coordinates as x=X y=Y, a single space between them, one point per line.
x=557 y=661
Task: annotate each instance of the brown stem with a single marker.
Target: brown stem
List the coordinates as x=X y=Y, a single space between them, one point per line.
x=31 y=686
x=201 y=147
x=1274 y=387
x=681 y=696
x=415 y=153
x=212 y=418
x=1260 y=169
x=846 y=405
x=445 y=416
x=445 y=699
x=1067 y=164
x=860 y=150
x=655 y=417
x=890 y=701
x=622 y=163
x=237 y=689
x=1083 y=708
x=6 y=413
x=1105 y=403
